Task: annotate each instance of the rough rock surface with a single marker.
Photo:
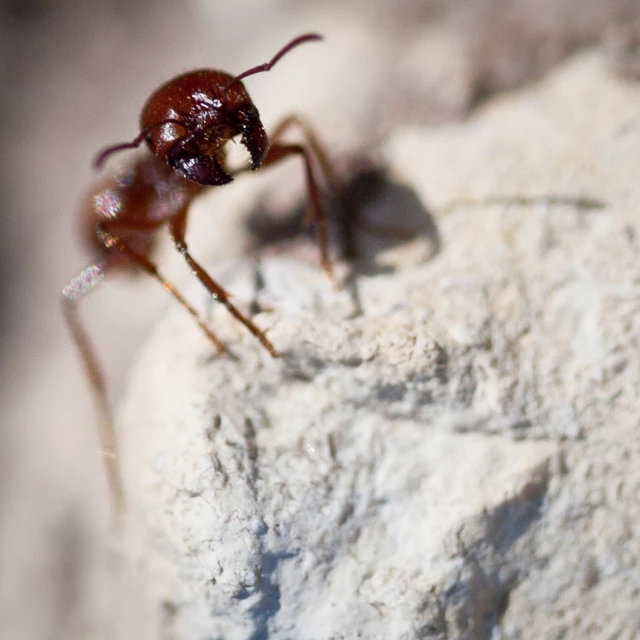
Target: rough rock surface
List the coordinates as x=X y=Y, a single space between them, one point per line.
x=449 y=446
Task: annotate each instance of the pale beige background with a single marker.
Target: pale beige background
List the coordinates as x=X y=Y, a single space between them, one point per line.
x=74 y=75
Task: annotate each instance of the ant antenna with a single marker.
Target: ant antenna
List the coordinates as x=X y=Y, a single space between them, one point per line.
x=307 y=37
x=134 y=144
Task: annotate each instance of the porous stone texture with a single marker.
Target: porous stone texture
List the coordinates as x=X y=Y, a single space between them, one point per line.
x=449 y=446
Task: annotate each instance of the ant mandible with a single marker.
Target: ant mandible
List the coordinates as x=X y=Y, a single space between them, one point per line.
x=186 y=124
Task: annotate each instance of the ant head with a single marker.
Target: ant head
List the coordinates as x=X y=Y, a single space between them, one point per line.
x=188 y=120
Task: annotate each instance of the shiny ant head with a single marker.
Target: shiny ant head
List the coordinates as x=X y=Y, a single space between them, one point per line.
x=188 y=120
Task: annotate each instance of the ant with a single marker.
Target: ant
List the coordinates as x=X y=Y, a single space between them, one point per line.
x=186 y=123
x=188 y=120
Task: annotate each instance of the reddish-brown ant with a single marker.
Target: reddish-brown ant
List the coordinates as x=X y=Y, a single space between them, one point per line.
x=186 y=124
x=189 y=119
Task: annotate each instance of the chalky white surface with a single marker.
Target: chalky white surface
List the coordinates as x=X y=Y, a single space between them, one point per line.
x=448 y=448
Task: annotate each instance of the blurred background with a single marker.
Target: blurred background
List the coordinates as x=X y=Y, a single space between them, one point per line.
x=73 y=76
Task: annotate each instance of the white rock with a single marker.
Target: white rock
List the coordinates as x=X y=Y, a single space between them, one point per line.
x=399 y=473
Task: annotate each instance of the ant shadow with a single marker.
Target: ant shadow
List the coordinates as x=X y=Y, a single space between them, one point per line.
x=372 y=217
x=374 y=214
x=389 y=214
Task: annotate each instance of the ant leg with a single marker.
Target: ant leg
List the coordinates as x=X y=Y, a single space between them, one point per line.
x=353 y=213
x=354 y=216
x=314 y=143
x=147 y=266
x=316 y=211
x=88 y=279
x=78 y=286
x=177 y=230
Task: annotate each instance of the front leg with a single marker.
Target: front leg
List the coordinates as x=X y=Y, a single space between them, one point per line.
x=177 y=228
x=316 y=210
x=141 y=261
x=353 y=217
x=313 y=146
